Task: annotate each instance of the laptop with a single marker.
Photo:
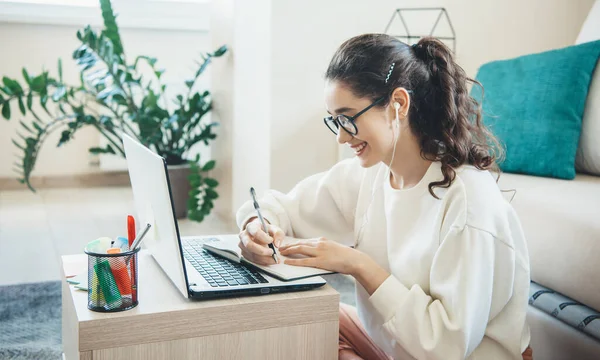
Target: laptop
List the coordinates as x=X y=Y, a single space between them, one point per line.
x=195 y=272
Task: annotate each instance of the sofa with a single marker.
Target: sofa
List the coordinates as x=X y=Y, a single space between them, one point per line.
x=561 y=221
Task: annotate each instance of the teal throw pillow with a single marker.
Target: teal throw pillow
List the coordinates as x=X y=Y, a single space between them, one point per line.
x=534 y=105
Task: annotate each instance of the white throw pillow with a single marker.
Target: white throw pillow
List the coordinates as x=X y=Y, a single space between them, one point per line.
x=588 y=152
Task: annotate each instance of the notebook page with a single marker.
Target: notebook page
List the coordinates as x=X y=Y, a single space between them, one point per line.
x=290 y=272
x=283 y=271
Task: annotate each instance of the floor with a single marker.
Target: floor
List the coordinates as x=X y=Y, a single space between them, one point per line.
x=37 y=228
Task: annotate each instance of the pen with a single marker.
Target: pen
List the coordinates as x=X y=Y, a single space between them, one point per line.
x=139 y=238
x=137 y=241
x=262 y=221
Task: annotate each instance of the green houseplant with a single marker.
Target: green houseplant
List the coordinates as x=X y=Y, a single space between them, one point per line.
x=117 y=97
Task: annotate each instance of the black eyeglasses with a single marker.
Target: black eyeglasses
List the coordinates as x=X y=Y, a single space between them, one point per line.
x=347 y=123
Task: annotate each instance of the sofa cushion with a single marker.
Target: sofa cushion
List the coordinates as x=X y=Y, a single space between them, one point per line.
x=588 y=152
x=561 y=221
x=535 y=103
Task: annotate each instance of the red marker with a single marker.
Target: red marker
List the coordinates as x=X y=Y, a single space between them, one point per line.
x=130 y=230
x=130 y=239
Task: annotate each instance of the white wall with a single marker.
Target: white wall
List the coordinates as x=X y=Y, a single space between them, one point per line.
x=221 y=87
x=39 y=46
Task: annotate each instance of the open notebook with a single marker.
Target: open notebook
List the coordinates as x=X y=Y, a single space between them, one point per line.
x=227 y=247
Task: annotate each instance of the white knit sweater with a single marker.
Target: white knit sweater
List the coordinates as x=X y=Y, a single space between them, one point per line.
x=459 y=265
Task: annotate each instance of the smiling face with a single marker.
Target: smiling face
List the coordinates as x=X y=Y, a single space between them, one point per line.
x=375 y=139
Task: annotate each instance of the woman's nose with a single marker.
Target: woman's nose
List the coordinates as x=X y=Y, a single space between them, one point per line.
x=343 y=136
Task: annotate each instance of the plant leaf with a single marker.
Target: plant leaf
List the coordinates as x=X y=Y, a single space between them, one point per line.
x=150 y=60
x=29 y=100
x=38 y=83
x=220 y=51
x=119 y=99
x=64 y=137
x=211 y=194
x=111 y=28
x=6 y=90
x=59 y=93
x=189 y=83
x=60 y=76
x=107 y=150
x=13 y=85
x=211 y=182
x=202 y=67
x=37 y=127
x=25 y=126
x=21 y=105
x=18 y=145
x=43 y=101
x=6 y=110
x=209 y=166
x=26 y=77
x=196 y=216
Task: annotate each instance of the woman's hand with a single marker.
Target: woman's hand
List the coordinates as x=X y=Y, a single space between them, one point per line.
x=324 y=254
x=254 y=242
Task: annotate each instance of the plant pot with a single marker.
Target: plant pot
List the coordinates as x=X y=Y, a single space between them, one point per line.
x=180 y=188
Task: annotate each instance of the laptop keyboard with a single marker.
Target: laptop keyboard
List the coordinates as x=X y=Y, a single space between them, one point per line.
x=217 y=271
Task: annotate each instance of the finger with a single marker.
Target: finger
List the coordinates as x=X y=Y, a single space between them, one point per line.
x=255 y=229
x=258 y=259
x=244 y=238
x=311 y=243
x=258 y=249
x=299 y=250
x=278 y=235
x=310 y=262
x=241 y=245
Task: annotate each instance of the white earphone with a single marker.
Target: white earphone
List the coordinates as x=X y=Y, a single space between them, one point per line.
x=397 y=107
x=365 y=215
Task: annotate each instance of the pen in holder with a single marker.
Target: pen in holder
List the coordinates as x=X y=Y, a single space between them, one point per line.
x=112 y=281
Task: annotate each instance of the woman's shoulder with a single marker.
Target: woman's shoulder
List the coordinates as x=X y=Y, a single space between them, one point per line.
x=476 y=200
x=476 y=183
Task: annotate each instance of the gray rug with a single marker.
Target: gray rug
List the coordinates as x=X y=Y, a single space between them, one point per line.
x=344 y=285
x=30 y=321
x=30 y=318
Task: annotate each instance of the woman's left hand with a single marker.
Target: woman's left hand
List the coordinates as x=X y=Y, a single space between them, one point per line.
x=324 y=254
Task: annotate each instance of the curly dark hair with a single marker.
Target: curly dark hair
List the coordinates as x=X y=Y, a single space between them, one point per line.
x=443 y=116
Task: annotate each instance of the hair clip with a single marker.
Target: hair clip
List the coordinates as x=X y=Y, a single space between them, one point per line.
x=389 y=72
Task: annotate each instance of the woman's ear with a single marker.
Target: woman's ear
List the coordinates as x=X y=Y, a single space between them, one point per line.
x=401 y=96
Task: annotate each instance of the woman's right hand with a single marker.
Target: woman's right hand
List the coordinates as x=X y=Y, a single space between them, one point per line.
x=254 y=242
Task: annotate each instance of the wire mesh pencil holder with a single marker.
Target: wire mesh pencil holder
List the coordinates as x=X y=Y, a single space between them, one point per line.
x=112 y=281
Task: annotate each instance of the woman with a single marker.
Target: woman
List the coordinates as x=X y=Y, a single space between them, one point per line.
x=439 y=257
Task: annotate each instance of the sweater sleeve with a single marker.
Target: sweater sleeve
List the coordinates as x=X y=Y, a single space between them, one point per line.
x=450 y=321
x=320 y=205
